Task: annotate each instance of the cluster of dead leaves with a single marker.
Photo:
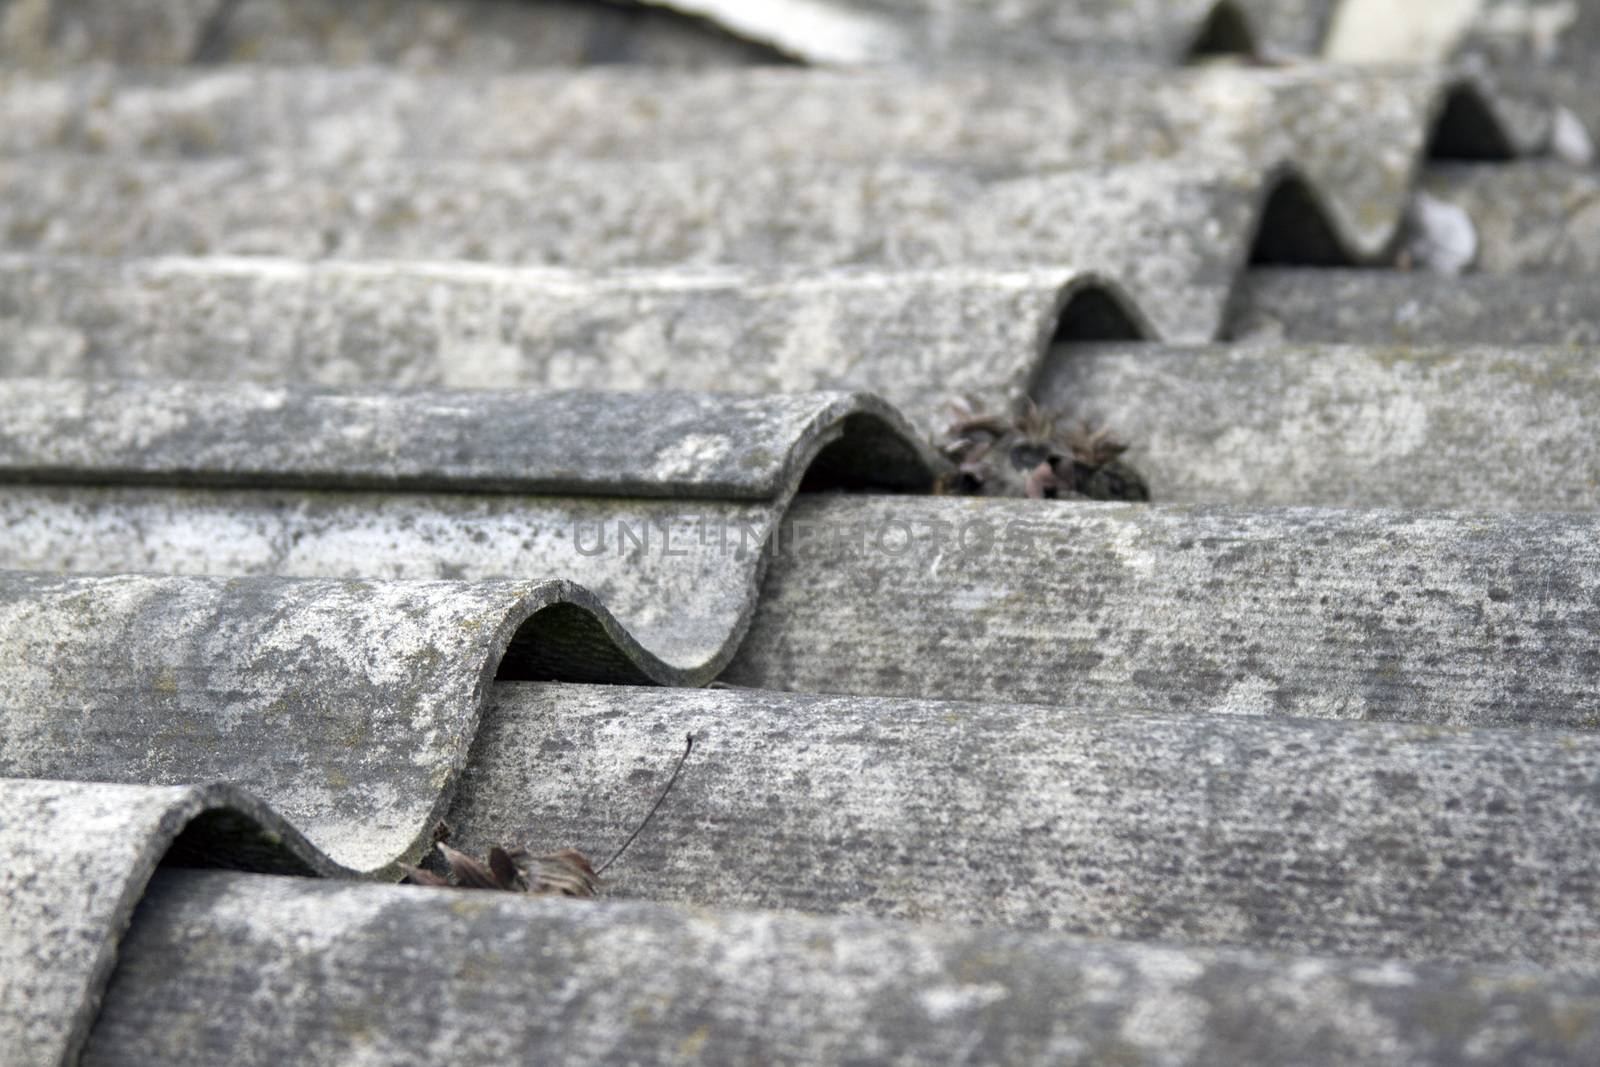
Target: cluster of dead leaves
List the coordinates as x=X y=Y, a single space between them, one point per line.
x=1029 y=455
x=566 y=872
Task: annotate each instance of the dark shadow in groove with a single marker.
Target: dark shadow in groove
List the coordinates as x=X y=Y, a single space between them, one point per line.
x=1226 y=32
x=1094 y=314
x=230 y=840
x=566 y=642
x=215 y=42
x=868 y=455
x=1294 y=232
x=1467 y=130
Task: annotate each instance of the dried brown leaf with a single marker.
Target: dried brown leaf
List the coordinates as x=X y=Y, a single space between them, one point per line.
x=418 y=876
x=469 y=873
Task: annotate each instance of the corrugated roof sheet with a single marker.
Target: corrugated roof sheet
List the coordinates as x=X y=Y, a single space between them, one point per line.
x=389 y=972
x=78 y=856
x=1063 y=818
x=1358 y=307
x=1467 y=618
x=1339 y=757
x=1423 y=426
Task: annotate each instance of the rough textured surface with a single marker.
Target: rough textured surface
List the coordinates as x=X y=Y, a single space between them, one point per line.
x=675 y=445
x=1471 y=619
x=1385 y=840
x=1358 y=137
x=659 y=506
x=1534 y=217
x=1178 y=230
x=1389 y=308
x=358 y=973
x=77 y=858
x=917 y=337
x=1422 y=427
x=479 y=33
x=349 y=706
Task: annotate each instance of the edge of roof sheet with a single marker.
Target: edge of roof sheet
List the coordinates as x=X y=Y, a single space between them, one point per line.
x=1467 y=118
x=677 y=445
x=389 y=678
x=222 y=660
x=82 y=306
x=78 y=859
x=490 y=977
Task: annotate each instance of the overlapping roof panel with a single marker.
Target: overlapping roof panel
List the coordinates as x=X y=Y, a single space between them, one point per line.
x=1319 y=720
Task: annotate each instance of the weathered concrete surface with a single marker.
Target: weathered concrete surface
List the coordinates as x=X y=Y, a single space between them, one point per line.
x=421 y=34
x=918 y=338
x=1167 y=228
x=1368 y=307
x=657 y=505
x=494 y=33
x=77 y=859
x=1536 y=34
x=1388 y=840
x=383 y=973
x=1468 y=619
x=676 y=445
x=1529 y=217
x=348 y=706
x=1478 y=428
x=1357 y=136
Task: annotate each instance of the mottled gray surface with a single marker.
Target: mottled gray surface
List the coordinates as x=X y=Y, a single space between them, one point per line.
x=77 y=858
x=1400 y=308
x=668 y=444
x=1530 y=217
x=1537 y=34
x=1177 y=230
x=1435 y=426
x=1432 y=617
x=658 y=506
x=1387 y=840
x=1357 y=135
x=418 y=34
x=242 y=969
x=919 y=338
x=348 y=706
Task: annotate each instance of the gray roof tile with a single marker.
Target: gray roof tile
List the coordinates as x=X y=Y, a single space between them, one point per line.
x=77 y=857
x=1068 y=819
x=1357 y=137
x=396 y=973
x=1365 y=307
x=664 y=539
x=1167 y=227
x=1477 y=619
x=916 y=337
x=349 y=704
x=1529 y=218
x=1423 y=426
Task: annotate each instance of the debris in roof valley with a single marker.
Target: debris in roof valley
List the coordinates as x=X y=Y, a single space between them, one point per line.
x=875 y=531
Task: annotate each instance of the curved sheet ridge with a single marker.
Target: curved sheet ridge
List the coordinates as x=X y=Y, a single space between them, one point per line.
x=78 y=858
